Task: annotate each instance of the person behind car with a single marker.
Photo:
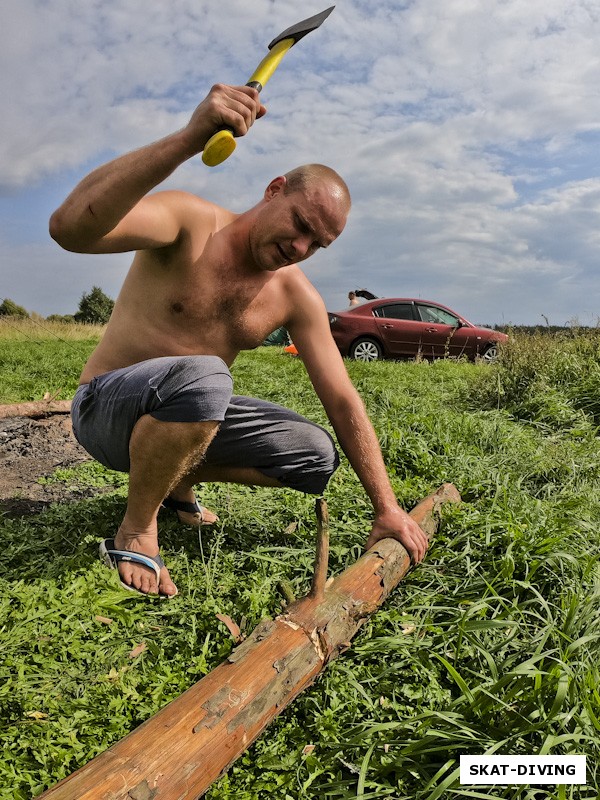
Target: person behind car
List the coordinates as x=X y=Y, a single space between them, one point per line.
x=365 y=294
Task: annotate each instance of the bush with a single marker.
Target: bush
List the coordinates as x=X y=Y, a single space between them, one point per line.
x=95 y=307
x=553 y=379
x=67 y=319
x=8 y=308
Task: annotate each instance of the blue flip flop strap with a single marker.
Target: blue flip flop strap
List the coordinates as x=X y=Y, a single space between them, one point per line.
x=182 y=505
x=136 y=558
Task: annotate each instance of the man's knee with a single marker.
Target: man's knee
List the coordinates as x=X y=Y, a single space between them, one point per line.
x=275 y=441
x=316 y=476
x=311 y=460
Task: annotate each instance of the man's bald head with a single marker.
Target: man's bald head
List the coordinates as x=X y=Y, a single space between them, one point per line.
x=307 y=176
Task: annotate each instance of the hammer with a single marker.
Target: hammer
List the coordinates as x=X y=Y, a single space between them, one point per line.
x=222 y=144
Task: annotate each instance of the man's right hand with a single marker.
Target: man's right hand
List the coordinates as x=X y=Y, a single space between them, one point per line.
x=395 y=523
x=99 y=217
x=234 y=107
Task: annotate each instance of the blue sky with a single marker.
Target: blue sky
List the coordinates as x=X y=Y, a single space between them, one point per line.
x=468 y=133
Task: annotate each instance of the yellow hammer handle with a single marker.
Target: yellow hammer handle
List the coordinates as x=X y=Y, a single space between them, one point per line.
x=222 y=144
x=270 y=62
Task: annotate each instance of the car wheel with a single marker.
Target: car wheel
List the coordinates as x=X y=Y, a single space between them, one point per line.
x=366 y=350
x=490 y=353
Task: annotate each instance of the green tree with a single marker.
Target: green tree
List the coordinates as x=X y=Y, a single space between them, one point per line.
x=95 y=307
x=9 y=308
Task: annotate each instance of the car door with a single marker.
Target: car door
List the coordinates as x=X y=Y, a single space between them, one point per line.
x=442 y=332
x=396 y=326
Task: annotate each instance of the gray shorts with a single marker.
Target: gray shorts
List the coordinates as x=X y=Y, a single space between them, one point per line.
x=253 y=433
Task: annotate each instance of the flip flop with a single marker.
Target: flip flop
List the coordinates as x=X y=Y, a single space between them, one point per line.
x=186 y=512
x=111 y=556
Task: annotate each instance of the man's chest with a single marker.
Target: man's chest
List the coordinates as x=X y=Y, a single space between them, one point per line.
x=240 y=312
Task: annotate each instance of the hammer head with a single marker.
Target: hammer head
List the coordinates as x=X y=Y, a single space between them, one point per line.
x=300 y=29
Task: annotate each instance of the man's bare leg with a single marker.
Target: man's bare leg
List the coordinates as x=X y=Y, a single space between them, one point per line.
x=247 y=475
x=184 y=492
x=205 y=473
x=161 y=454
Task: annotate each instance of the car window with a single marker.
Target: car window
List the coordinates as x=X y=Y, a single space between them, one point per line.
x=436 y=314
x=396 y=311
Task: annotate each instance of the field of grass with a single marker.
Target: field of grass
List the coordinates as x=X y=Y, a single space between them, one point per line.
x=39 y=357
x=490 y=646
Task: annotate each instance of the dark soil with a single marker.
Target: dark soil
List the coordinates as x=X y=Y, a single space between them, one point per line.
x=31 y=449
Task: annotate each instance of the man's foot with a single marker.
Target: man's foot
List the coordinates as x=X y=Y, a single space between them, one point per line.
x=189 y=511
x=140 y=567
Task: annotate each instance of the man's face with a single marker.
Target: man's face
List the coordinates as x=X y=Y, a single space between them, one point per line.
x=293 y=226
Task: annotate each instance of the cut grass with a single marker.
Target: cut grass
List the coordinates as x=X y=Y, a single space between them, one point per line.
x=490 y=646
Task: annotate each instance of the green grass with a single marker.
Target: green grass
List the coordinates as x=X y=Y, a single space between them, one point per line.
x=38 y=357
x=489 y=646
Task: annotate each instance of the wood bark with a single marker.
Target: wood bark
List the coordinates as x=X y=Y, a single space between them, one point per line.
x=40 y=408
x=179 y=752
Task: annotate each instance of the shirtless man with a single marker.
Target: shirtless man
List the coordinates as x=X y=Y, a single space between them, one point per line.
x=155 y=396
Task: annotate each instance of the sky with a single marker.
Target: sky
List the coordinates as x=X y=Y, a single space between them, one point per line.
x=467 y=130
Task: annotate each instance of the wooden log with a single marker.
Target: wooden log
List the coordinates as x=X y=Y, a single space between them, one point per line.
x=179 y=752
x=40 y=408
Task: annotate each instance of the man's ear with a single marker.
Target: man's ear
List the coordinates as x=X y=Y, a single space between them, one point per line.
x=276 y=187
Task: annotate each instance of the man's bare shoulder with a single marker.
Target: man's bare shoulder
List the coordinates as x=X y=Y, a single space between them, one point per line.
x=294 y=279
x=187 y=206
x=305 y=300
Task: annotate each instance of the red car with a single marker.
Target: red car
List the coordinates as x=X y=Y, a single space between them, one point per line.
x=403 y=327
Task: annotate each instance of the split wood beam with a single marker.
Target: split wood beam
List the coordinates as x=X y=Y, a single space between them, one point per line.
x=178 y=753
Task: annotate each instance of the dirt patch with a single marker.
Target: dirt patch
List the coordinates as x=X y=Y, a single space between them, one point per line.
x=31 y=449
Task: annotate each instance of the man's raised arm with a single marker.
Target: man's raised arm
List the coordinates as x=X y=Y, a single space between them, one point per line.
x=97 y=216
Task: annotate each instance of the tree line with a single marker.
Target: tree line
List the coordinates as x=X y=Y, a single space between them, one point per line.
x=95 y=308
